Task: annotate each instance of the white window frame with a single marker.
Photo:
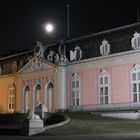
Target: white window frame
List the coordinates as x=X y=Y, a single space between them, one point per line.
x=104 y=74
x=11 y=98
x=75 y=79
x=135 y=70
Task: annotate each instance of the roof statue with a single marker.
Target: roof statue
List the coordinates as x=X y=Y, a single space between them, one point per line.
x=39 y=49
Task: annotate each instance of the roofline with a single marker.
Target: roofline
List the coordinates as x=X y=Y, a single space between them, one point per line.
x=96 y=34
x=126 y=53
x=14 y=55
x=103 y=32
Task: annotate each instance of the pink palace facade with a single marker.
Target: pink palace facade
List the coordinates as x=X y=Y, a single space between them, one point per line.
x=97 y=72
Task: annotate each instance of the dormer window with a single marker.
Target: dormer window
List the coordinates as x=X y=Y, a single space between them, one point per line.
x=135 y=41
x=104 y=48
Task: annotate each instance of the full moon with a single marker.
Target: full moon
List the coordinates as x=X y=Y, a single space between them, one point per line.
x=49 y=27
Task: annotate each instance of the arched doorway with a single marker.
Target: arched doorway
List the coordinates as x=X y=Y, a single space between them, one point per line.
x=49 y=97
x=26 y=99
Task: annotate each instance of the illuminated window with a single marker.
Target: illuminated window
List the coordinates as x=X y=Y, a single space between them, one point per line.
x=135 y=41
x=11 y=98
x=75 y=90
x=104 y=87
x=135 y=83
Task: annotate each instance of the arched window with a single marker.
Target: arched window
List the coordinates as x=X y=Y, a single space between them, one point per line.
x=37 y=95
x=11 y=98
x=135 y=41
x=104 y=87
x=104 y=48
x=75 y=90
x=26 y=99
x=135 y=83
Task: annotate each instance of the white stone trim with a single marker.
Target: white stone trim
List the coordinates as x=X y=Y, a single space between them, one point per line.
x=135 y=41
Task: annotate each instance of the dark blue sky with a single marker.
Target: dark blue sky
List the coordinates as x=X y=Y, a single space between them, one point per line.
x=22 y=21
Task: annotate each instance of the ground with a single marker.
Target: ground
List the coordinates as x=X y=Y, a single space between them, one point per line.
x=90 y=124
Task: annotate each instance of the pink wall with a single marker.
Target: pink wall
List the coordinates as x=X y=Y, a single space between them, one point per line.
x=89 y=87
x=120 y=84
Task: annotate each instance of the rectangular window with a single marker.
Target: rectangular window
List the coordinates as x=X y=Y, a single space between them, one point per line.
x=101 y=91
x=101 y=100
x=73 y=84
x=106 y=90
x=138 y=75
x=134 y=88
x=77 y=101
x=77 y=84
x=101 y=81
x=73 y=101
x=106 y=99
x=134 y=97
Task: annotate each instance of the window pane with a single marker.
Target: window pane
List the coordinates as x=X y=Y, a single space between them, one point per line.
x=101 y=91
x=134 y=88
x=77 y=84
x=73 y=84
x=101 y=81
x=73 y=94
x=9 y=106
x=73 y=101
x=134 y=76
x=101 y=100
x=134 y=97
x=106 y=99
x=77 y=101
x=106 y=90
x=77 y=94
x=138 y=75
x=106 y=80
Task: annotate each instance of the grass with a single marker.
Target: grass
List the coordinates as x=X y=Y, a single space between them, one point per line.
x=82 y=124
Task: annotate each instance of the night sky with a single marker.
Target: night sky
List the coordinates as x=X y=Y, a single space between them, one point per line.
x=22 y=21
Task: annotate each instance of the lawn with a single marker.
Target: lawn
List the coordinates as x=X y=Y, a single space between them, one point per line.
x=87 y=123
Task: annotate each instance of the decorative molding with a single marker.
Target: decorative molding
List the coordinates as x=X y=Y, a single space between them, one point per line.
x=135 y=41
x=36 y=64
x=76 y=54
x=136 y=68
x=103 y=73
x=104 y=48
x=39 y=50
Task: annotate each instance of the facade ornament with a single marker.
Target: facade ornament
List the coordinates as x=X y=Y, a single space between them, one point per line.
x=35 y=65
x=57 y=59
x=14 y=67
x=76 y=54
x=51 y=55
x=32 y=116
x=39 y=50
x=104 y=48
x=135 y=41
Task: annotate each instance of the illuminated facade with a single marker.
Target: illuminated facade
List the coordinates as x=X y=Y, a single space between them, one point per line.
x=97 y=72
